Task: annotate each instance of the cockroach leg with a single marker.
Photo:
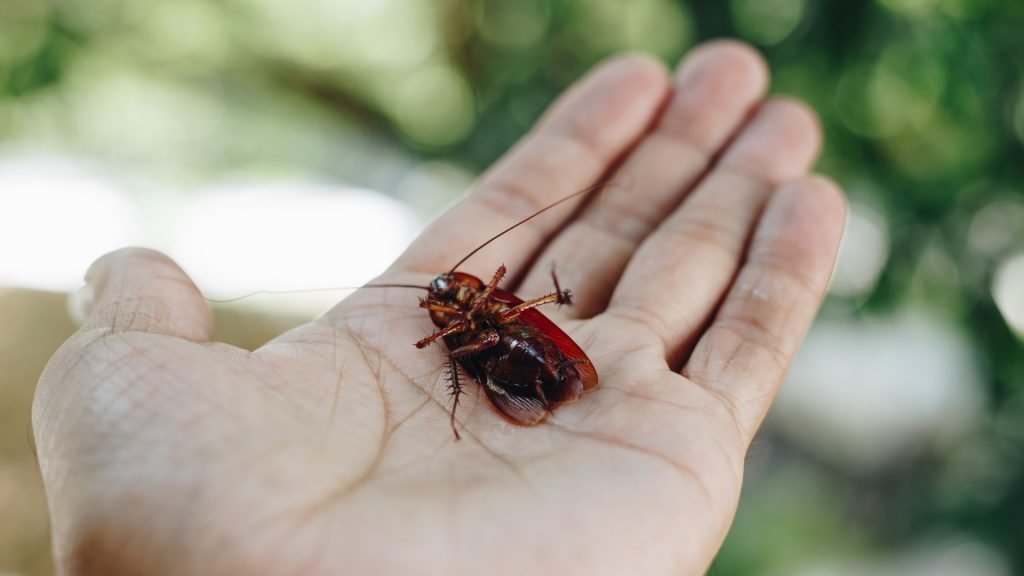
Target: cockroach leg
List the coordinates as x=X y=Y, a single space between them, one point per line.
x=487 y=291
x=539 y=389
x=514 y=312
x=435 y=307
x=447 y=330
x=567 y=364
x=454 y=392
x=487 y=340
x=564 y=296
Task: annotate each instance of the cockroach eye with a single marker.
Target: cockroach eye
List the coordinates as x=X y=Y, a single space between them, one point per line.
x=439 y=284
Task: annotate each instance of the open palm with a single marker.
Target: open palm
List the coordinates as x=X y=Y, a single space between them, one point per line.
x=328 y=449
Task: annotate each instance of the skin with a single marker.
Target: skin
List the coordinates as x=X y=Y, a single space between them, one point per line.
x=329 y=451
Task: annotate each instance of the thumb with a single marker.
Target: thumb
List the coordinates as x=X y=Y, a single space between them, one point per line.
x=142 y=290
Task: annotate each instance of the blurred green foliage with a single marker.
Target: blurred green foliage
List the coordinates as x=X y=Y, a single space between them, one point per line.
x=922 y=102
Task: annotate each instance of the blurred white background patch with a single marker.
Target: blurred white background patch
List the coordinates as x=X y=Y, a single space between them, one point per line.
x=1008 y=291
x=941 y=557
x=865 y=393
x=863 y=252
x=289 y=236
x=57 y=215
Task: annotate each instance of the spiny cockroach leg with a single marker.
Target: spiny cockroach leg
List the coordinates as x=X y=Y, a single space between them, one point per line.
x=435 y=307
x=454 y=392
x=564 y=296
x=488 y=339
x=447 y=330
x=514 y=312
x=488 y=290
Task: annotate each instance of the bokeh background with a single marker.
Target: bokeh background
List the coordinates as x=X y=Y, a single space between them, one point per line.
x=257 y=140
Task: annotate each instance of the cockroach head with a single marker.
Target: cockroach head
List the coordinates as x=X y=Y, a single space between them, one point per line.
x=443 y=284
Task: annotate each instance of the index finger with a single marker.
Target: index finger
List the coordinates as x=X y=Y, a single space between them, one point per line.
x=572 y=147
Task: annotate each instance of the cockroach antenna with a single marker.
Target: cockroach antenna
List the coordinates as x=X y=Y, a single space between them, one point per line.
x=308 y=290
x=585 y=191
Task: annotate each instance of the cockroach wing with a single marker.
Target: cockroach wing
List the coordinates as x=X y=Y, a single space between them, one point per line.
x=525 y=410
x=566 y=345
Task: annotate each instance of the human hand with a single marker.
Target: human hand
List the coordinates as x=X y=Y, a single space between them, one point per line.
x=328 y=449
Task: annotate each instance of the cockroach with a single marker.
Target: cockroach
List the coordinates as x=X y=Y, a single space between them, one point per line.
x=525 y=363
